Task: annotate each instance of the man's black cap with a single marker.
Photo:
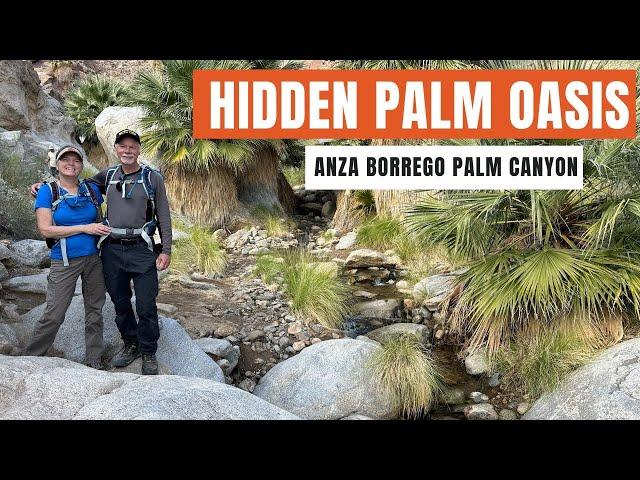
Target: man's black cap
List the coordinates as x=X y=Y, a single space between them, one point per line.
x=127 y=133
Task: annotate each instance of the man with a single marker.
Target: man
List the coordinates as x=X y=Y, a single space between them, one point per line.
x=136 y=197
x=51 y=160
x=127 y=255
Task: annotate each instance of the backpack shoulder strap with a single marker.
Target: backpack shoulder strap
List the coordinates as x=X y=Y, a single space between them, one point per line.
x=108 y=177
x=55 y=195
x=147 y=171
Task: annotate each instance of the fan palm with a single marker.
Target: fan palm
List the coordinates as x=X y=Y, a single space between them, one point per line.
x=568 y=258
x=87 y=99
x=210 y=181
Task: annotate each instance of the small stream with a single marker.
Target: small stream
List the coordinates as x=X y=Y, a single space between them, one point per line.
x=445 y=354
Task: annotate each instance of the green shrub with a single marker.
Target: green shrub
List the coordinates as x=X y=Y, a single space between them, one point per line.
x=200 y=250
x=268 y=267
x=407 y=372
x=17 y=217
x=272 y=219
x=535 y=363
x=88 y=98
x=294 y=175
x=314 y=290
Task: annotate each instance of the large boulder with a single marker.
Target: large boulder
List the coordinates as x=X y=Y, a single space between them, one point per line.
x=329 y=380
x=113 y=119
x=176 y=350
x=31 y=253
x=608 y=388
x=44 y=388
x=35 y=284
x=32 y=119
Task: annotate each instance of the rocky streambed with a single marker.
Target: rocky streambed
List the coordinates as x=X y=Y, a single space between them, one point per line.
x=247 y=329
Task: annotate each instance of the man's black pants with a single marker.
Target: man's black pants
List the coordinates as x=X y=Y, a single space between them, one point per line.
x=121 y=264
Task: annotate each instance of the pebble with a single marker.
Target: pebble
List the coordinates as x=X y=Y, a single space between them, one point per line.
x=298 y=346
x=247 y=385
x=283 y=342
x=482 y=411
x=522 y=408
x=506 y=414
x=294 y=329
x=494 y=381
x=315 y=340
x=479 y=397
x=439 y=334
x=254 y=335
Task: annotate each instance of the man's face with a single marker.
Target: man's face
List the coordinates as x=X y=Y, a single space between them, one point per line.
x=128 y=151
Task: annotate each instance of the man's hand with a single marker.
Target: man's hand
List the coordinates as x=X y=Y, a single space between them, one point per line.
x=34 y=189
x=163 y=261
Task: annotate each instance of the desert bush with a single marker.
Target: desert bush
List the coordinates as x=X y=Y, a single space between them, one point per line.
x=407 y=372
x=200 y=251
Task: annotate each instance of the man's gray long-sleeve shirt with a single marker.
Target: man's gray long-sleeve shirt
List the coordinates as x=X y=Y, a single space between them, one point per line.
x=132 y=212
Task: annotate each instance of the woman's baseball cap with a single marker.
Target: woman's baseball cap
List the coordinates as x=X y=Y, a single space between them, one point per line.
x=69 y=149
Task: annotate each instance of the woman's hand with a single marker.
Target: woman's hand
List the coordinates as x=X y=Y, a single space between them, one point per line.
x=98 y=229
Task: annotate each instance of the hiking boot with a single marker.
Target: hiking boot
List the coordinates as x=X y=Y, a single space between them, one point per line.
x=128 y=354
x=149 y=364
x=97 y=364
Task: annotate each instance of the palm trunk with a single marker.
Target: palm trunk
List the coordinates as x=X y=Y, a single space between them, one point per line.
x=348 y=212
x=207 y=198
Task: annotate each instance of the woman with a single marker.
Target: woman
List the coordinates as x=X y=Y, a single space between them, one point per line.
x=71 y=221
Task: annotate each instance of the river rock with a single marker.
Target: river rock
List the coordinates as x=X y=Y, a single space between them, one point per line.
x=5 y=253
x=35 y=284
x=378 y=308
x=453 y=396
x=9 y=342
x=433 y=286
x=481 y=411
x=366 y=257
x=175 y=348
x=328 y=209
x=422 y=332
x=328 y=380
x=347 y=242
x=166 y=308
x=237 y=239
x=113 y=119
x=221 y=348
x=604 y=389
x=477 y=363
x=364 y=294
x=506 y=414
x=4 y=274
x=188 y=283
x=31 y=253
x=45 y=388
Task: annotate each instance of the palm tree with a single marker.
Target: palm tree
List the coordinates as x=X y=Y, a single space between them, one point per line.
x=392 y=202
x=560 y=259
x=210 y=181
x=87 y=99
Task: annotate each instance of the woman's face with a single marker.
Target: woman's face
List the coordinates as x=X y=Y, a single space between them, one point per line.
x=70 y=164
